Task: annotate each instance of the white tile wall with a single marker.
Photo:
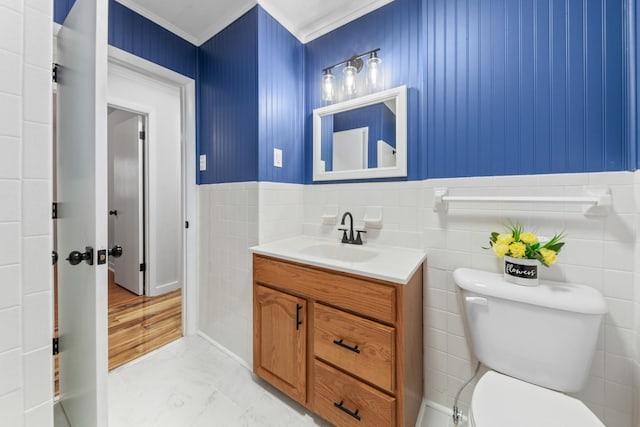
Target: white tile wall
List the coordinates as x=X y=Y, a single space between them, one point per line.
x=228 y=215
x=26 y=388
x=280 y=211
x=601 y=252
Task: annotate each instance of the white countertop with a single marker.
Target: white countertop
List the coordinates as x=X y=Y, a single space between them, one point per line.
x=388 y=263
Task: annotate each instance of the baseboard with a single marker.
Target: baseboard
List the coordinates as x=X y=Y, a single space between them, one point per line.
x=165 y=288
x=224 y=349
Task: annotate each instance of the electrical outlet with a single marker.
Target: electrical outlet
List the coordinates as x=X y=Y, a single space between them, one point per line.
x=203 y=162
x=277 y=157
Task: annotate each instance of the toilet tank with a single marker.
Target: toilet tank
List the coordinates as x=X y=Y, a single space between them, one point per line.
x=545 y=335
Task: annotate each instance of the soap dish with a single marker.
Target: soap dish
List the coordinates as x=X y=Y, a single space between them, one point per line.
x=373 y=217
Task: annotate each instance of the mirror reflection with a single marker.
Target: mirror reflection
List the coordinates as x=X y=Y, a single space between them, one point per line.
x=361 y=138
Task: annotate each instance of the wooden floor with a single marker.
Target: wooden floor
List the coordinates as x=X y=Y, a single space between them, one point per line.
x=140 y=324
x=137 y=324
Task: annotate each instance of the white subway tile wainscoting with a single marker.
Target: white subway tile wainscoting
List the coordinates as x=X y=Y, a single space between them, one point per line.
x=26 y=303
x=601 y=252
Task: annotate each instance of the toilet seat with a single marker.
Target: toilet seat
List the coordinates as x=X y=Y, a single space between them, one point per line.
x=502 y=401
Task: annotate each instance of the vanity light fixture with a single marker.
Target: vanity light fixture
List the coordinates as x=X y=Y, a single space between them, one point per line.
x=328 y=91
x=352 y=67
x=374 y=78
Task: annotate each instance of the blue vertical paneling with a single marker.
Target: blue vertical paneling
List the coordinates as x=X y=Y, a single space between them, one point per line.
x=396 y=30
x=228 y=103
x=634 y=78
x=614 y=84
x=281 y=101
x=136 y=34
x=532 y=87
x=61 y=9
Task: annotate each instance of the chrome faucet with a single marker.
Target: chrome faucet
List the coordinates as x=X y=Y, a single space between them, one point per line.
x=350 y=239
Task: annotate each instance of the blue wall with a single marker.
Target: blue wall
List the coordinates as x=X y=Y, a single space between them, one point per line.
x=505 y=87
x=136 y=34
x=281 y=101
x=524 y=87
x=496 y=87
x=228 y=103
x=396 y=30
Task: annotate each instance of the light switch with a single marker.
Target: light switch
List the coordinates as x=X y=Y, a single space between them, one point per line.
x=277 y=157
x=203 y=162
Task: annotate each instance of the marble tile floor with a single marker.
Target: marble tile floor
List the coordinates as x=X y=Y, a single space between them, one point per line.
x=191 y=383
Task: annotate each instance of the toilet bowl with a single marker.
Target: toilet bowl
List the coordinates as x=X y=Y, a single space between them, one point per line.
x=502 y=401
x=538 y=343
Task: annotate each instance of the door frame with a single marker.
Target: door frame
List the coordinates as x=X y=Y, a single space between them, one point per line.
x=187 y=87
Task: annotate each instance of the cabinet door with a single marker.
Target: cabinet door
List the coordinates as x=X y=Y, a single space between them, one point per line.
x=279 y=342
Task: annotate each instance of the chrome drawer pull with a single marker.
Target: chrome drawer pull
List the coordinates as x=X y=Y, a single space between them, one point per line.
x=346 y=411
x=348 y=347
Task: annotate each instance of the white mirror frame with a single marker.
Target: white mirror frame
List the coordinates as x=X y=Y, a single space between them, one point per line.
x=399 y=170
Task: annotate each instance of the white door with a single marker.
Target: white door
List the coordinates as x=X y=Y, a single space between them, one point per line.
x=82 y=198
x=350 y=149
x=126 y=210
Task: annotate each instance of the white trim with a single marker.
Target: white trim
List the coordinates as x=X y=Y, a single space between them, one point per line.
x=225 y=350
x=399 y=170
x=315 y=29
x=218 y=26
x=320 y=27
x=159 y=20
x=187 y=90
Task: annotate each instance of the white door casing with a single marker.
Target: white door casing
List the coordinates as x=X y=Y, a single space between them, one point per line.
x=82 y=220
x=189 y=235
x=126 y=207
x=161 y=103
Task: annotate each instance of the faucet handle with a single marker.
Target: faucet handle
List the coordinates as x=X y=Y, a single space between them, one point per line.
x=358 y=237
x=345 y=239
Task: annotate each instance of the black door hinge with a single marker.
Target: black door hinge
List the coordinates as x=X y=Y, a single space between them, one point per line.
x=56 y=346
x=54 y=210
x=54 y=72
x=142 y=135
x=143 y=267
x=186 y=224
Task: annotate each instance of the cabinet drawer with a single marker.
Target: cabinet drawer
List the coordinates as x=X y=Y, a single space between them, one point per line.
x=342 y=399
x=360 y=346
x=337 y=289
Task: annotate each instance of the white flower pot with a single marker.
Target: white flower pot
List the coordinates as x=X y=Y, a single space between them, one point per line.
x=521 y=271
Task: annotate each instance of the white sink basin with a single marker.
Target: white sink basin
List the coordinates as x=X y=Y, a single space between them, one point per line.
x=379 y=262
x=342 y=252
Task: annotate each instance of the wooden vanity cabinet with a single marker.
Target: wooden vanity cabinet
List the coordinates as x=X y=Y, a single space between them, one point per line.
x=356 y=357
x=280 y=340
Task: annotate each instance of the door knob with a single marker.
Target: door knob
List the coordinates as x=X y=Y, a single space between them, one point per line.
x=116 y=251
x=76 y=257
x=113 y=212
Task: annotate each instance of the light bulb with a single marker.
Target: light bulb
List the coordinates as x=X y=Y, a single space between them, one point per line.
x=374 y=75
x=328 y=86
x=350 y=79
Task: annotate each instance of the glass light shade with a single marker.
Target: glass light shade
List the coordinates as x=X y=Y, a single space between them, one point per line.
x=374 y=73
x=350 y=80
x=328 y=90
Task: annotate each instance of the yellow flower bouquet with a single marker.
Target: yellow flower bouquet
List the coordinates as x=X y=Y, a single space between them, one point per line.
x=525 y=245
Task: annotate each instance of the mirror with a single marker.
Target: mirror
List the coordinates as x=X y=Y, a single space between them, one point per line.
x=361 y=138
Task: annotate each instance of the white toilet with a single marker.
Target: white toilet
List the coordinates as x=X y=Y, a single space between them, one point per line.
x=538 y=342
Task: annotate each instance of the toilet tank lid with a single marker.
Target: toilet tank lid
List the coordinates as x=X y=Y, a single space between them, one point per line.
x=556 y=295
